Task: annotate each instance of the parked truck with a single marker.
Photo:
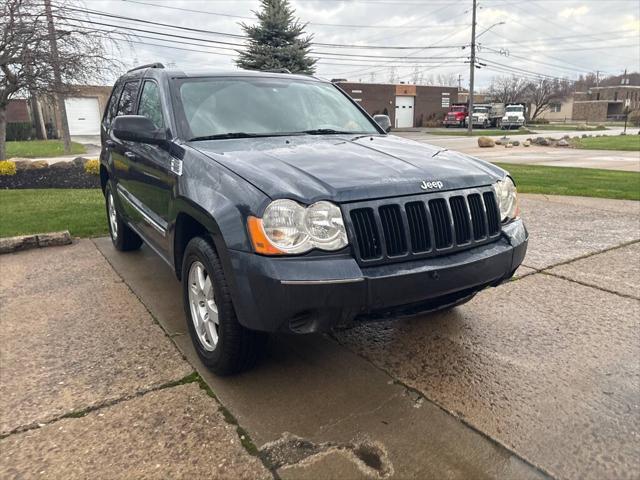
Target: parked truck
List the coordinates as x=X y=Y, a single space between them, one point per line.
x=514 y=116
x=487 y=115
x=456 y=115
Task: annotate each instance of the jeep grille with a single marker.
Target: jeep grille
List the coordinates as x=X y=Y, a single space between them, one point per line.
x=427 y=225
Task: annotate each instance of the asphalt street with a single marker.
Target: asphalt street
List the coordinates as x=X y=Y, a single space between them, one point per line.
x=535 y=155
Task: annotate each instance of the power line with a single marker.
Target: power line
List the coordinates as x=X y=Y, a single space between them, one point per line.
x=337 y=25
x=243 y=37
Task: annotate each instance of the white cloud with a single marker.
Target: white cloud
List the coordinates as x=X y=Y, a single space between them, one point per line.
x=572 y=12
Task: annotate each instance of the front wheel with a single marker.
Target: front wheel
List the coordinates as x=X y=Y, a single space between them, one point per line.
x=122 y=237
x=223 y=345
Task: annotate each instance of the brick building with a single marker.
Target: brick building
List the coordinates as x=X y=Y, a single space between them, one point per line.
x=599 y=104
x=407 y=105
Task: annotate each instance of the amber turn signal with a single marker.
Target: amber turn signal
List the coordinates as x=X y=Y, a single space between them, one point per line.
x=261 y=243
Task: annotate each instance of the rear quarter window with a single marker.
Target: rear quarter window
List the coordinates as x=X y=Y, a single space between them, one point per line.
x=126 y=105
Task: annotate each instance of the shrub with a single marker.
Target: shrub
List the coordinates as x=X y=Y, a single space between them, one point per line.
x=634 y=118
x=7 y=168
x=18 y=131
x=92 y=167
x=538 y=121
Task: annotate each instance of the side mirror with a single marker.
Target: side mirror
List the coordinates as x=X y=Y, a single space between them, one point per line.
x=384 y=121
x=137 y=128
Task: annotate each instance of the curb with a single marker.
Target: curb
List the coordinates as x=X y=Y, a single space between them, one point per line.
x=40 y=240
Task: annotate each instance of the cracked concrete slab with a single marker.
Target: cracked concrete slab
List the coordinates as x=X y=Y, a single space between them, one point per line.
x=321 y=392
x=545 y=366
x=617 y=270
x=73 y=336
x=176 y=432
x=564 y=230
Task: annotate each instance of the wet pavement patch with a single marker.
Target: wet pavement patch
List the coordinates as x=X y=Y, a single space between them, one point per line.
x=545 y=366
x=369 y=457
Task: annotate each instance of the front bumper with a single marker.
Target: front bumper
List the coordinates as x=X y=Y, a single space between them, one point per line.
x=310 y=294
x=452 y=121
x=513 y=123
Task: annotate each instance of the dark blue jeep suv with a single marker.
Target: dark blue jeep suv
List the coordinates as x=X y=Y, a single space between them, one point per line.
x=281 y=205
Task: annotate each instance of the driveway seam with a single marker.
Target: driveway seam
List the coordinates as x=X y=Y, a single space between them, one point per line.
x=79 y=413
x=466 y=423
x=581 y=257
x=585 y=284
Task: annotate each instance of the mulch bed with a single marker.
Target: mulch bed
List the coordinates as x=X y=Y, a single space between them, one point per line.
x=73 y=177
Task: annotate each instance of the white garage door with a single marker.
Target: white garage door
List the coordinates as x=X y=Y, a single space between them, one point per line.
x=404 y=112
x=83 y=115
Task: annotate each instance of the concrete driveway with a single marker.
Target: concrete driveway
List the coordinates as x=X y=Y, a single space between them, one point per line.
x=536 y=155
x=536 y=378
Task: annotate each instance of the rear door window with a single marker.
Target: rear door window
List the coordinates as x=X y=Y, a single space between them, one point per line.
x=126 y=105
x=112 y=108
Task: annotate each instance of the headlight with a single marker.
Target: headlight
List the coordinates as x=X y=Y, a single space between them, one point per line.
x=288 y=227
x=507 y=198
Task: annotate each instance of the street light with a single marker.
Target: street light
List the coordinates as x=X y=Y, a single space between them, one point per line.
x=489 y=28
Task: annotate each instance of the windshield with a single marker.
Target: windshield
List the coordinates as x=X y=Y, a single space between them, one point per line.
x=458 y=109
x=215 y=107
x=480 y=110
x=514 y=109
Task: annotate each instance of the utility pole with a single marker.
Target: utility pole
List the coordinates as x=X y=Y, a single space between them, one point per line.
x=55 y=65
x=472 y=67
x=459 y=82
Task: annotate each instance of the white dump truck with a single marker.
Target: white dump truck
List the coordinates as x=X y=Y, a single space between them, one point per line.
x=514 y=116
x=486 y=115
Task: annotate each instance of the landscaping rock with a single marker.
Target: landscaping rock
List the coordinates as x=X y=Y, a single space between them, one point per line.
x=584 y=135
x=21 y=163
x=527 y=143
x=62 y=165
x=486 y=142
x=25 y=242
x=498 y=142
x=515 y=143
x=80 y=161
x=15 y=244
x=541 y=141
x=54 y=239
x=562 y=143
x=38 y=165
x=508 y=145
x=566 y=137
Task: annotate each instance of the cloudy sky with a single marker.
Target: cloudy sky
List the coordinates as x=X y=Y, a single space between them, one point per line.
x=555 y=38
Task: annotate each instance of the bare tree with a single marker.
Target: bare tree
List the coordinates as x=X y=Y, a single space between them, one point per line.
x=509 y=89
x=447 y=79
x=543 y=92
x=26 y=61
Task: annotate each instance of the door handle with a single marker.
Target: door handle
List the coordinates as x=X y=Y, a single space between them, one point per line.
x=110 y=143
x=130 y=155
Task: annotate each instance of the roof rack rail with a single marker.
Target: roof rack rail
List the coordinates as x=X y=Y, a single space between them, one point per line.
x=148 y=65
x=277 y=70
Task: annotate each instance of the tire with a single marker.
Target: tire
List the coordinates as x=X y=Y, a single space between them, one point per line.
x=207 y=298
x=122 y=237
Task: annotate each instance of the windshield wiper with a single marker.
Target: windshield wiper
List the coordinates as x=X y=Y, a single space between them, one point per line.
x=222 y=136
x=326 y=131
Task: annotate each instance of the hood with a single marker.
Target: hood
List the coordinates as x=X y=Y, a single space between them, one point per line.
x=343 y=168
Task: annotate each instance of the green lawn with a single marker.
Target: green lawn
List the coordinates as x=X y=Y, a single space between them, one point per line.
x=629 y=143
x=583 y=182
x=80 y=211
x=41 y=148
x=479 y=132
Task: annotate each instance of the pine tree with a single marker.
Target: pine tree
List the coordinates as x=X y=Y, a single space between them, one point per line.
x=277 y=41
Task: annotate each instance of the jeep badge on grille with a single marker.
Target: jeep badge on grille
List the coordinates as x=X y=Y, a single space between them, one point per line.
x=434 y=185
